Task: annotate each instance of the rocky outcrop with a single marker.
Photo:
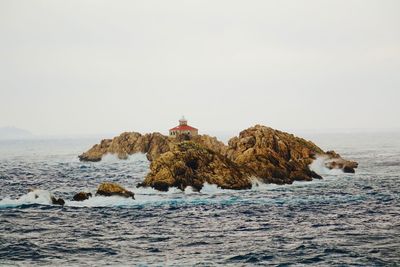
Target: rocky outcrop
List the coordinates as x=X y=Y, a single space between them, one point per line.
x=112 y=189
x=279 y=157
x=211 y=143
x=153 y=145
x=192 y=164
x=57 y=201
x=128 y=143
x=258 y=152
x=81 y=196
x=335 y=161
x=274 y=156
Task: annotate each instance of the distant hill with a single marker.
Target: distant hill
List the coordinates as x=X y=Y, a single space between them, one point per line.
x=14 y=133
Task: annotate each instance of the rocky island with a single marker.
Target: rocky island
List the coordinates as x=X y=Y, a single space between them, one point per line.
x=258 y=153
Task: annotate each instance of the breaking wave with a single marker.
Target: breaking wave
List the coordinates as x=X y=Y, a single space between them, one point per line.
x=318 y=166
x=41 y=197
x=145 y=196
x=339 y=220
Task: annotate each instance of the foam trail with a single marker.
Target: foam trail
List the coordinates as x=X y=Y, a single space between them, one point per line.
x=212 y=189
x=37 y=196
x=113 y=158
x=101 y=201
x=152 y=191
x=258 y=185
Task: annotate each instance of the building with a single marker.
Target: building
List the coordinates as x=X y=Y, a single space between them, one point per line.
x=183 y=129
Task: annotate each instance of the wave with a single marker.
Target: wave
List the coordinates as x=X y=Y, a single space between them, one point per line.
x=37 y=196
x=146 y=196
x=318 y=166
x=113 y=158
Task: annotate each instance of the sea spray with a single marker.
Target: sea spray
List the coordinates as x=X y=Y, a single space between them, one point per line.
x=318 y=166
x=36 y=196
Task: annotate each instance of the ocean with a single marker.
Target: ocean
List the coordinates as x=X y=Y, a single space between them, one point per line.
x=342 y=220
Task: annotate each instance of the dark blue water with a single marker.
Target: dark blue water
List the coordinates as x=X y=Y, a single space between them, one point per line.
x=343 y=220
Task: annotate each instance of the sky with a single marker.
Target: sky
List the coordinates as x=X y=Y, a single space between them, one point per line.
x=90 y=67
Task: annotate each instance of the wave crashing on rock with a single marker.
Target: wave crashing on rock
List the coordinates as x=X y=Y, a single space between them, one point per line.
x=259 y=152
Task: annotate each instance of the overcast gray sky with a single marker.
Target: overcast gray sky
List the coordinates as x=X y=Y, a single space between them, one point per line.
x=84 y=67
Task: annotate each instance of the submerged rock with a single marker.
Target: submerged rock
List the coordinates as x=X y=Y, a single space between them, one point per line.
x=81 y=196
x=44 y=194
x=57 y=201
x=335 y=161
x=112 y=189
x=191 y=164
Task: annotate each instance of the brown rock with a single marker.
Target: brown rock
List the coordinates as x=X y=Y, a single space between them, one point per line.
x=335 y=161
x=96 y=152
x=57 y=201
x=348 y=169
x=274 y=156
x=81 y=196
x=153 y=144
x=112 y=189
x=191 y=164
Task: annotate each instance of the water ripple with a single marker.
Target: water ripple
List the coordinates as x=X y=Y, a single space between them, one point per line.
x=342 y=220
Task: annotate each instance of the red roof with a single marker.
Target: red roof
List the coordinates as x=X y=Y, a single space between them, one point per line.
x=183 y=128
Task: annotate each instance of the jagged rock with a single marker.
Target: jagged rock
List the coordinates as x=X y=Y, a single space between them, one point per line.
x=57 y=201
x=81 y=196
x=157 y=145
x=274 y=156
x=261 y=152
x=211 y=143
x=348 y=169
x=335 y=161
x=129 y=143
x=191 y=164
x=153 y=144
x=97 y=151
x=112 y=189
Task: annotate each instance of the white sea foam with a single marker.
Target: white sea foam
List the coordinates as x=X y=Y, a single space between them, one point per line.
x=318 y=166
x=258 y=185
x=37 y=196
x=101 y=201
x=211 y=189
x=189 y=190
x=150 y=196
x=111 y=158
x=43 y=197
x=143 y=196
x=152 y=191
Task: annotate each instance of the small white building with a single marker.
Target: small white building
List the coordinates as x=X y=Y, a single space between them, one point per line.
x=183 y=128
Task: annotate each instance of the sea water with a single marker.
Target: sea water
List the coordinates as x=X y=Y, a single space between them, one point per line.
x=342 y=220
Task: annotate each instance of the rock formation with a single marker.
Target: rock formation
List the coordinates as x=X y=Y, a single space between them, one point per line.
x=153 y=144
x=81 y=196
x=258 y=152
x=192 y=164
x=335 y=161
x=112 y=189
x=57 y=201
x=274 y=156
